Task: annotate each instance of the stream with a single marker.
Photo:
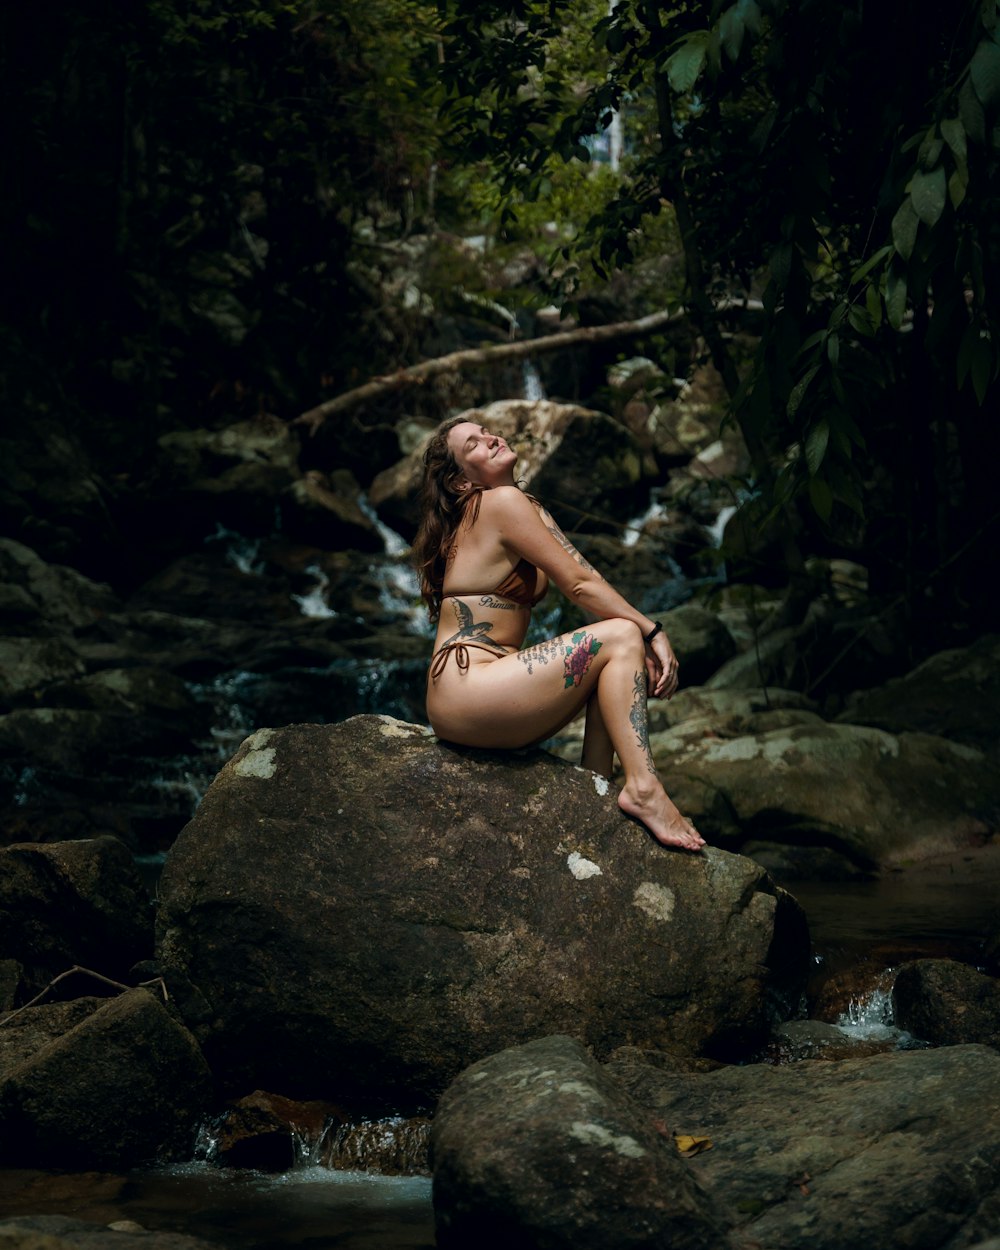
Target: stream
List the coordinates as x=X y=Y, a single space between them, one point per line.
x=937 y=911
x=861 y=930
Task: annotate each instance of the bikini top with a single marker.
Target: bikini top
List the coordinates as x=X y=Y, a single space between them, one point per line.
x=521 y=585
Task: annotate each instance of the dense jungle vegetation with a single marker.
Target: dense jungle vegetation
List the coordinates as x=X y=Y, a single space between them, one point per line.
x=199 y=200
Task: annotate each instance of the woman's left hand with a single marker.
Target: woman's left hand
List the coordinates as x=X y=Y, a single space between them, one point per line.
x=662 y=669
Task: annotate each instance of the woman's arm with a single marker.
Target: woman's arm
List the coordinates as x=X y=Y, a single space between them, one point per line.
x=527 y=531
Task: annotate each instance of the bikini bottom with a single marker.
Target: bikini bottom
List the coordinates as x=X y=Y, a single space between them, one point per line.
x=460 y=650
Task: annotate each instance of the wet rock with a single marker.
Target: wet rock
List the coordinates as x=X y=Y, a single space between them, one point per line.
x=323 y=510
x=270 y=1133
x=29 y=665
x=787 y=862
x=947 y=1003
x=732 y=707
x=582 y=464
x=207 y=586
x=392 y=1146
x=122 y=1086
x=832 y=647
x=68 y=903
x=52 y=495
x=62 y=1232
x=954 y=693
x=876 y=798
x=898 y=1151
x=481 y=900
x=74 y=741
x=799 y=1040
x=537 y=1146
x=701 y=641
x=50 y=596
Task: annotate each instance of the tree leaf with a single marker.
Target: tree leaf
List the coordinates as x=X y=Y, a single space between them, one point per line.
x=929 y=193
x=870 y=264
x=833 y=349
x=958 y=184
x=895 y=295
x=861 y=321
x=904 y=228
x=684 y=65
x=984 y=70
x=731 y=30
x=816 y=445
x=971 y=112
x=821 y=497
x=953 y=133
x=873 y=303
x=799 y=390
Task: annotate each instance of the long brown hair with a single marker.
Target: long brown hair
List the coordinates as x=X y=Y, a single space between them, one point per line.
x=443 y=506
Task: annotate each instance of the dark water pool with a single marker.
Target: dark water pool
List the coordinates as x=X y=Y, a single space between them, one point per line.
x=312 y=1207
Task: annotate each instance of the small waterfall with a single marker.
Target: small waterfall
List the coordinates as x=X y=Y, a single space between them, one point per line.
x=633 y=530
x=531 y=382
x=314 y=603
x=871 y=1018
x=392 y=1147
x=242 y=552
x=718 y=528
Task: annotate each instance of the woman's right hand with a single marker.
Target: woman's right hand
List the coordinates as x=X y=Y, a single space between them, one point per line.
x=662 y=667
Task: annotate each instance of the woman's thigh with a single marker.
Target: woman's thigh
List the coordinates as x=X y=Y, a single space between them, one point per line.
x=524 y=697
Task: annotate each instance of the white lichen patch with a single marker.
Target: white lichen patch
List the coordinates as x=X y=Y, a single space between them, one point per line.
x=581 y=868
x=657 y=901
x=591 y=1134
x=392 y=728
x=259 y=760
x=746 y=748
x=601 y=785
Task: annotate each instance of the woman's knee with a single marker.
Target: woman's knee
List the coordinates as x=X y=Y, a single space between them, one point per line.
x=622 y=635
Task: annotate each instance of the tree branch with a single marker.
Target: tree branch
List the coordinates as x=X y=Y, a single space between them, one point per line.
x=415 y=375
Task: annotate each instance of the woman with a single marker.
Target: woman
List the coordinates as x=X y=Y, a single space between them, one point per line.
x=486 y=552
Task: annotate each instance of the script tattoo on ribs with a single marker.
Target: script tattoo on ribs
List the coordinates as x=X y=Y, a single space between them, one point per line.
x=580 y=652
x=504 y=605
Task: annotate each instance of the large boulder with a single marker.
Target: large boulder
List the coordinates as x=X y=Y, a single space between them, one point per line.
x=99 y=1084
x=874 y=797
x=947 y=1003
x=900 y=1151
x=50 y=596
x=538 y=1146
x=358 y=911
x=68 y=903
x=954 y=693
x=581 y=464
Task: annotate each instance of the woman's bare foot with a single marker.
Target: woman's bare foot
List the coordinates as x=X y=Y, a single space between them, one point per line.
x=655 y=810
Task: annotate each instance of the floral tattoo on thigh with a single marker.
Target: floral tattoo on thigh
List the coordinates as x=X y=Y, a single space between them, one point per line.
x=579 y=656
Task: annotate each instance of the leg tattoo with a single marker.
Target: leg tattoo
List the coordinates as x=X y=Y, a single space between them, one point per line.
x=580 y=654
x=640 y=720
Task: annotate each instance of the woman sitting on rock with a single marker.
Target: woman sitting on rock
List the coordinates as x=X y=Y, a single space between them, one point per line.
x=486 y=552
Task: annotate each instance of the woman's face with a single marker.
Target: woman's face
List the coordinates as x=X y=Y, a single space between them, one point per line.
x=484 y=458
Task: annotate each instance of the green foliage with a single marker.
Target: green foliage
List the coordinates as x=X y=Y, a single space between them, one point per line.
x=839 y=160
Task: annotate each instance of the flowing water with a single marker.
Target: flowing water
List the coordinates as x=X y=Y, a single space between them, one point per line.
x=861 y=931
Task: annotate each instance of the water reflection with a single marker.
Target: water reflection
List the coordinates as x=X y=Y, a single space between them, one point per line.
x=309 y=1207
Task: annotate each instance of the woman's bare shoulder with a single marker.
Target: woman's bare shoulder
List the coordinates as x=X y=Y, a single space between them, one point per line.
x=510 y=501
